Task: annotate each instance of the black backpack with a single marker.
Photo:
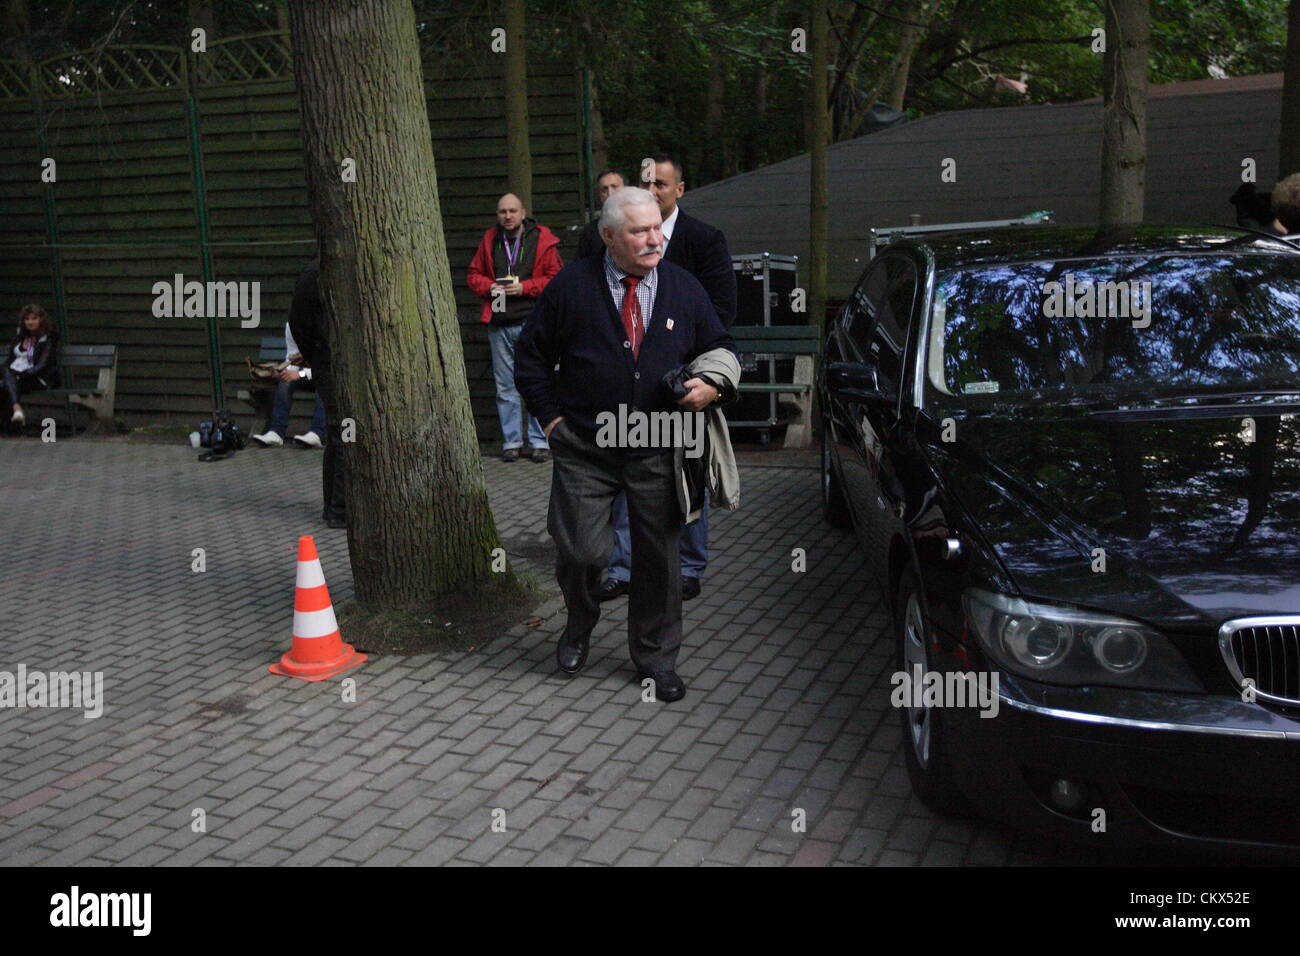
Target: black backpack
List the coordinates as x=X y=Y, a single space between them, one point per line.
x=221 y=435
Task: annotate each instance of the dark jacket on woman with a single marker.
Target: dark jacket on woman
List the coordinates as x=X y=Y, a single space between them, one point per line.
x=45 y=357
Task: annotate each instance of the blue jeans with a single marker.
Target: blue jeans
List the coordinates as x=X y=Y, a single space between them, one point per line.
x=693 y=551
x=510 y=406
x=284 y=402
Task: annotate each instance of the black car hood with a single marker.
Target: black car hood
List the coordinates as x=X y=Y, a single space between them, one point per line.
x=1197 y=524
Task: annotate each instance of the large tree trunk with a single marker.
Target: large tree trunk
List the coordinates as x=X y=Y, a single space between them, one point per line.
x=918 y=16
x=418 y=517
x=599 y=142
x=1288 y=154
x=519 y=158
x=1124 y=111
x=900 y=62
x=756 y=140
x=818 y=130
x=716 y=153
x=587 y=58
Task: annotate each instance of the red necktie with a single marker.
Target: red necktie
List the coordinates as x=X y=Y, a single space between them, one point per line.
x=632 y=314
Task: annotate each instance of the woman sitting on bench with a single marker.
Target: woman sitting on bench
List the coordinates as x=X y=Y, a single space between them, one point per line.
x=33 y=358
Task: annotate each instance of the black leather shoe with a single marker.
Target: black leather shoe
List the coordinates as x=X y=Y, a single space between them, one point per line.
x=690 y=588
x=668 y=686
x=336 y=521
x=570 y=655
x=609 y=589
x=510 y=454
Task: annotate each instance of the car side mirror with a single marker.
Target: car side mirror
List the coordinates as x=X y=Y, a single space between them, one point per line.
x=854 y=380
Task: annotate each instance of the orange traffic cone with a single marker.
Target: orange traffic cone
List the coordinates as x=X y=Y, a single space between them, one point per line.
x=318 y=650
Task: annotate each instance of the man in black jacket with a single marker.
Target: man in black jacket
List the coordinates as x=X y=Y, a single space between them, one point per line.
x=702 y=251
x=308 y=324
x=616 y=325
x=696 y=246
x=590 y=242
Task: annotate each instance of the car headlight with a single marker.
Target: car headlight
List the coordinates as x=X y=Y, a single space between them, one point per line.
x=1066 y=645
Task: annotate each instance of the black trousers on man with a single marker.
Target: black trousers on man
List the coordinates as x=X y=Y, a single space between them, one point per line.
x=584 y=481
x=332 y=463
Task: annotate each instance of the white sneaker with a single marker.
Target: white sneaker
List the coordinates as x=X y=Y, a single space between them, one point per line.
x=309 y=440
x=270 y=439
x=18 y=418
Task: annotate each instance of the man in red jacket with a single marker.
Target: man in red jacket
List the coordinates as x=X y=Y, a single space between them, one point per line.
x=513 y=264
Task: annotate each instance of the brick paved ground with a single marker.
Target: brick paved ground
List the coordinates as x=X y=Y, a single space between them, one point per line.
x=787 y=702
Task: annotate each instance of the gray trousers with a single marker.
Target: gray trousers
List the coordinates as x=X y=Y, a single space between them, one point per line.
x=584 y=481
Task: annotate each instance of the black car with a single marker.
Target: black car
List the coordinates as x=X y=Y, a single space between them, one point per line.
x=1073 y=459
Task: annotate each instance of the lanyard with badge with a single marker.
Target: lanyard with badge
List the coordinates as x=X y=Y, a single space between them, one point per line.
x=512 y=256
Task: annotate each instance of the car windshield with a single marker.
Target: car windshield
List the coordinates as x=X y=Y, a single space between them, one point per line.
x=1090 y=328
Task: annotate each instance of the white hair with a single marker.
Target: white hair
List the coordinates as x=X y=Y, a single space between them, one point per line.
x=612 y=216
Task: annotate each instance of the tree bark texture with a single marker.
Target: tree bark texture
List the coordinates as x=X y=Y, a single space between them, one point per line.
x=1124 y=111
x=715 y=162
x=755 y=146
x=419 y=523
x=519 y=157
x=918 y=16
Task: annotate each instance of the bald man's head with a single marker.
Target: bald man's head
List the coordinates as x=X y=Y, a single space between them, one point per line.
x=511 y=213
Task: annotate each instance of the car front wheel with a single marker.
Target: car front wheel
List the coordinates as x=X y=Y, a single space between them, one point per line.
x=925 y=737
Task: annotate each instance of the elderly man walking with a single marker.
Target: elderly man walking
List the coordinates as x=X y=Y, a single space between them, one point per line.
x=616 y=325
x=514 y=261
x=701 y=250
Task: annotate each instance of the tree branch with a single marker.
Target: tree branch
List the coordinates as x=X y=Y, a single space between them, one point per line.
x=889 y=16
x=937 y=69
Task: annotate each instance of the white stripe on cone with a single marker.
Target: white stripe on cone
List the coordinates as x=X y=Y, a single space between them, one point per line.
x=310 y=574
x=314 y=623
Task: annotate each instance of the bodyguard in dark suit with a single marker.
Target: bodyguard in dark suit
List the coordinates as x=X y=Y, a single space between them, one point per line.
x=702 y=251
x=589 y=242
x=616 y=325
x=696 y=246
x=308 y=323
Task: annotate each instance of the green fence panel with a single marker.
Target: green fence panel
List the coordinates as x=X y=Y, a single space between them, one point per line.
x=129 y=213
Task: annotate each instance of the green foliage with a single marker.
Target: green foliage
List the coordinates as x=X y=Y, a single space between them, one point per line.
x=61 y=26
x=1240 y=37
x=652 y=62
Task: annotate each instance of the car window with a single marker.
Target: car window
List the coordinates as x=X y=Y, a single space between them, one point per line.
x=889 y=337
x=864 y=305
x=1124 y=325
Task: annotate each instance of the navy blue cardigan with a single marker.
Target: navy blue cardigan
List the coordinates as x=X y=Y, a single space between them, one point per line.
x=576 y=325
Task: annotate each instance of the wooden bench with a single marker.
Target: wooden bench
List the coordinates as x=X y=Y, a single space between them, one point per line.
x=800 y=342
x=99 y=401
